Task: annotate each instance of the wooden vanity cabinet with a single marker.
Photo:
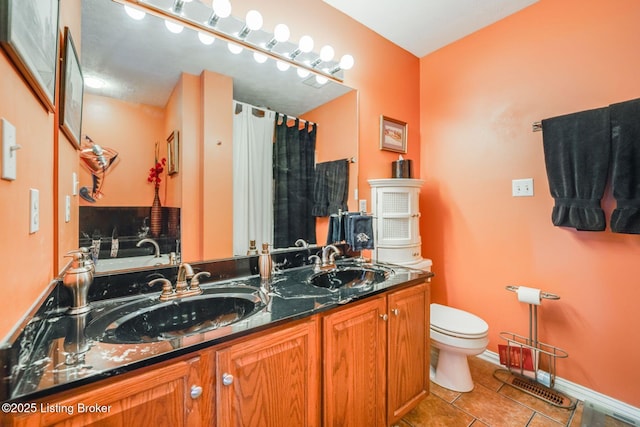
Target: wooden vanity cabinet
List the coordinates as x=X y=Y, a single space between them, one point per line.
x=376 y=359
x=407 y=350
x=271 y=380
x=174 y=394
x=364 y=364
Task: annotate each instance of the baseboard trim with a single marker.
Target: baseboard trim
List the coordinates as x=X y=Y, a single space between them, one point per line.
x=615 y=408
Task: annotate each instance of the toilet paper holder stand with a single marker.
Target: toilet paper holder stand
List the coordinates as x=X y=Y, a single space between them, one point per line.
x=538 y=383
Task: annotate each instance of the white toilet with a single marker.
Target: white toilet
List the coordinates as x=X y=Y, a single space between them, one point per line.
x=456 y=334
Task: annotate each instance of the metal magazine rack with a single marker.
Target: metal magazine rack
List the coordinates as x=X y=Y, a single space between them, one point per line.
x=531 y=364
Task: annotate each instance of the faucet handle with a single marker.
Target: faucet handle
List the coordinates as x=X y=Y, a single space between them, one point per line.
x=316 y=262
x=333 y=255
x=195 y=280
x=167 y=288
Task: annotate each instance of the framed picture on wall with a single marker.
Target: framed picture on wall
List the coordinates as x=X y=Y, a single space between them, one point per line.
x=173 y=149
x=393 y=135
x=29 y=35
x=71 y=91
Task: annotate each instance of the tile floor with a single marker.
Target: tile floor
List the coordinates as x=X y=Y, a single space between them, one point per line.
x=491 y=404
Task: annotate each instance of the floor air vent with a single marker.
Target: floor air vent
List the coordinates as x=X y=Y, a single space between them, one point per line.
x=535 y=389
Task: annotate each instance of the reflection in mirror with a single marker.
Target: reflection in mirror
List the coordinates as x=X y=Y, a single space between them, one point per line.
x=146 y=73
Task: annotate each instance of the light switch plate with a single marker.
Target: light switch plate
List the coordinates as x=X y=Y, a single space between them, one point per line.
x=74 y=184
x=34 y=210
x=9 y=153
x=67 y=208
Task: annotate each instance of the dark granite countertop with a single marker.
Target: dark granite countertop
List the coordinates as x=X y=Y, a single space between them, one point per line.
x=52 y=352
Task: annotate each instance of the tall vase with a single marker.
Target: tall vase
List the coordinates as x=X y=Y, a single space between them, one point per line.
x=155 y=219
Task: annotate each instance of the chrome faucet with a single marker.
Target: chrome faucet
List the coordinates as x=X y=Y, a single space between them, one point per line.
x=187 y=283
x=301 y=243
x=329 y=254
x=153 y=242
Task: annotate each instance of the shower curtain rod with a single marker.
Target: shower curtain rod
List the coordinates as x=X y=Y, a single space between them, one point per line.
x=279 y=114
x=296 y=118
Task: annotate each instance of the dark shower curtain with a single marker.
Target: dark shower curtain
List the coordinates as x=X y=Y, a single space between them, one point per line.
x=293 y=174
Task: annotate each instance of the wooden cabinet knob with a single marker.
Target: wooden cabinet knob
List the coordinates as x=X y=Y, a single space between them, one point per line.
x=395 y=311
x=384 y=317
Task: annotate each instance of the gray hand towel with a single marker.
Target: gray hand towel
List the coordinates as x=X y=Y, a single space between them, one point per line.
x=625 y=176
x=576 y=151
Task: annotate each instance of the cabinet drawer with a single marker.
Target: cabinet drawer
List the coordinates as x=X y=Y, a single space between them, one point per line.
x=398 y=255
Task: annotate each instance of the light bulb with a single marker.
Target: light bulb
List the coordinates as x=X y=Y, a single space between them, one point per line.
x=234 y=48
x=306 y=44
x=321 y=79
x=173 y=27
x=94 y=82
x=326 y=53
x=259 y=58
x=206 y=38
x=346 y=62
x=281 y=33
x=254 y=20
x=134 y=13
x=303 y=73
x=282 y=66
x=222 y=8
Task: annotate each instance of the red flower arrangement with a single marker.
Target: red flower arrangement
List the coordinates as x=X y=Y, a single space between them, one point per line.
x=154 y=173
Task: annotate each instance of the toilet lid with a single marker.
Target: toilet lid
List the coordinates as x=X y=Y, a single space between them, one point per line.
x=452 y=321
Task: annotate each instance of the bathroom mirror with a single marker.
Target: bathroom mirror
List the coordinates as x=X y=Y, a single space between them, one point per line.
x=140 y=64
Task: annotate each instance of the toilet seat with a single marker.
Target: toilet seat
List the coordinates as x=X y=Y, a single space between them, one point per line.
x=457 y=323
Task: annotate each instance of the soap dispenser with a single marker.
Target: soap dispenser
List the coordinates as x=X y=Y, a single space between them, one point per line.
x=265 y=265
x=252 y=248
x=77 y=278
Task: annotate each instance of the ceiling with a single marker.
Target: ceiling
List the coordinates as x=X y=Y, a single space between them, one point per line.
x=423 y=26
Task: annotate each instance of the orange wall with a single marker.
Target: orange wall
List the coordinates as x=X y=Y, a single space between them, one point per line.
x=217 y=165
x=29 y=261
x=478 y=99
x=132 y=130
x=337 y=138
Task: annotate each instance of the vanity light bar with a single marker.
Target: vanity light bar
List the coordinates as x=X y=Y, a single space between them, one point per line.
x=197 y=26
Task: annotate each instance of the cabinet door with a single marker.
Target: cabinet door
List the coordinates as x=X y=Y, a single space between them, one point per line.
x=354 y=366
x=408 y=350
x=397 y=214
x=270 y=381
x=158 y=397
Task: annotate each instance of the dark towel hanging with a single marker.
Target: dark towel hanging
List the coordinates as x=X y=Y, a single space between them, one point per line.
x=335 y=232
x=577 y=148
x=625 y=176
x=331 y=189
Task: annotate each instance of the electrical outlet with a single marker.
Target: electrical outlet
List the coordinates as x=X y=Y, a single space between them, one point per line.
x=34 y=210
x=363 y=205
x=522 y=187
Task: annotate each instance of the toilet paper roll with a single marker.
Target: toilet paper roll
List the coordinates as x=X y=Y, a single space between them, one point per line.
x=529 y=295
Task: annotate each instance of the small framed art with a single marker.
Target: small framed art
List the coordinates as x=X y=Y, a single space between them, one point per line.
x=393 y=135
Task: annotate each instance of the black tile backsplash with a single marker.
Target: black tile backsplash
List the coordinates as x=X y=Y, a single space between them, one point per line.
x=127 y=224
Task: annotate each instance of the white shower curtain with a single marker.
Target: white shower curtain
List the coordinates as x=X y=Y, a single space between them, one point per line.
x=252 y=177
